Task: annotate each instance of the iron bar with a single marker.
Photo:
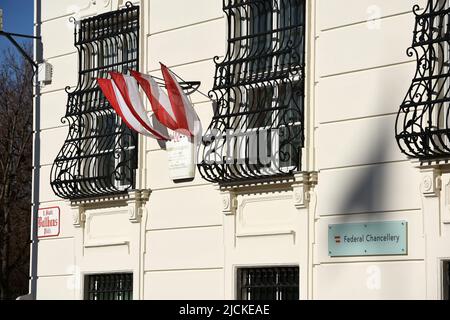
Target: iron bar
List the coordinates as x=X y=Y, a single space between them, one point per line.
x=99 y=156
x=259 y=94
x=423 y=121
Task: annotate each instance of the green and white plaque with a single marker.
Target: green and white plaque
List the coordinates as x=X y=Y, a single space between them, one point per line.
x=368 y=239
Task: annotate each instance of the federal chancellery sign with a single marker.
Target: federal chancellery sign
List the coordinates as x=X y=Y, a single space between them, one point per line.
x=368 y=239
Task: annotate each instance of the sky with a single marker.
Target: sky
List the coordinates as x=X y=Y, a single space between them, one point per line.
x=18 y=16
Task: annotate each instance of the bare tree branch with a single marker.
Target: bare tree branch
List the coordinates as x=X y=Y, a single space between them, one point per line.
x=16 y=114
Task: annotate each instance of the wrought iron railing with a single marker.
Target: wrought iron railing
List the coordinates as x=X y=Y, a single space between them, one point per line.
x=99 y=156
x=114 y=286
x=423 y=122
x=257 y=129
x=277 y=283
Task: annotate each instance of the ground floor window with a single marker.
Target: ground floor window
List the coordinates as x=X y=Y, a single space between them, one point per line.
x=446 y=280
x=114 y=286
x=274 y=283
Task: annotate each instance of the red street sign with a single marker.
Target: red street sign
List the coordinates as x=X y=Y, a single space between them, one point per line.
x=48 y=222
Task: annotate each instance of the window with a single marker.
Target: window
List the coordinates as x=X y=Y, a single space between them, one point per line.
x=99 y=156
x=423 y=122
x=278 y=283
x=260 y=35
x=446 y=280
x=257 y=130
x=115 y=286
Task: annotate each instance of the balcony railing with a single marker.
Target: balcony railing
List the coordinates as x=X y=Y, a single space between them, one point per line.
x=257 y=128
x=423 y=122
x=99 y=155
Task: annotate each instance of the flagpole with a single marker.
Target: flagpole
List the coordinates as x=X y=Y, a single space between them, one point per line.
x=192 y=82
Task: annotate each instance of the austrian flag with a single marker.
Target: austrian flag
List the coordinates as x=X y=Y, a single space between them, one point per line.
x=129 y=107
x=187 y=119
x=172 y=111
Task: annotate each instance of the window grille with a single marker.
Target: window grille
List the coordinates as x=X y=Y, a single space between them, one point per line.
x=423 y=122
x=446 y=280
x=278 y=283
x=99 y=156
x=257 y=129
x=115 y=286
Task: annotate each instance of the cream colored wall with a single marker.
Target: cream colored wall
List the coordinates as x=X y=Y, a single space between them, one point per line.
x=193 y=236
x=362 y=76
x=108 y=240
x=179 y=242
x=56 y=256
x=184 y=256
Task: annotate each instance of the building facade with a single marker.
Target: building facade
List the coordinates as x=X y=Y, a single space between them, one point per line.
x=325 y=82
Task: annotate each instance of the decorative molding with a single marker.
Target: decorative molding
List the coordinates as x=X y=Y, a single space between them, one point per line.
x=431 y=182
x=446 y=203
x=304 y=182
x=121 y=197
x=313 y=203
x=274 y=227
x=111 y=243
x=78 y=215
x=92 y=8
x=262 y=183
x=229 y=203
x=114 y=238
x=136 y=203
x=300 y=197
x=301 y=184
x=134 y=200
x=266 y=233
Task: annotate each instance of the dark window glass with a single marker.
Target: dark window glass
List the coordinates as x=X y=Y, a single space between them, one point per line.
x=446 y=280
x=292 y=17
x=114 y=286
x=259 y=150
x=260 y=34
x=290 y=96
x=277 y=283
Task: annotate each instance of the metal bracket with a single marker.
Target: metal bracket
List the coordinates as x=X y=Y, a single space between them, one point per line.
x=189 y=87
x=10 y=36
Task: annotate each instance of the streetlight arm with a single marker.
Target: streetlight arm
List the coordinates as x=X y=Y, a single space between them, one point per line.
x=19 y=35
x=9 y=36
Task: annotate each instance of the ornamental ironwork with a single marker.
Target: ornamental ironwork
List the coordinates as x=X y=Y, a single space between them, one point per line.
x=112 y=286
x=257 y=127
x=276 y=283
x=423 y=122
x=99 y=156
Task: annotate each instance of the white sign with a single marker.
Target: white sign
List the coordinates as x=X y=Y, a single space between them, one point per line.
x=48 y=222
x=180 y=153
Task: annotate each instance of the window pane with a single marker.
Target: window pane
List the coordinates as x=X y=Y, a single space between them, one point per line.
x=292 y=21
x=290 y=98
x=260 y=36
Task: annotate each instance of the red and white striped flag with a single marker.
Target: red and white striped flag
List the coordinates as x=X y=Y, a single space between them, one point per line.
x=173 y=111
x=123 y=95
x=159 y=100
x=185 y=115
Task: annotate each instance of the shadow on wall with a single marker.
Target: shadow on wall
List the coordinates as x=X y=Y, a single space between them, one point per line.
x=367 y=192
